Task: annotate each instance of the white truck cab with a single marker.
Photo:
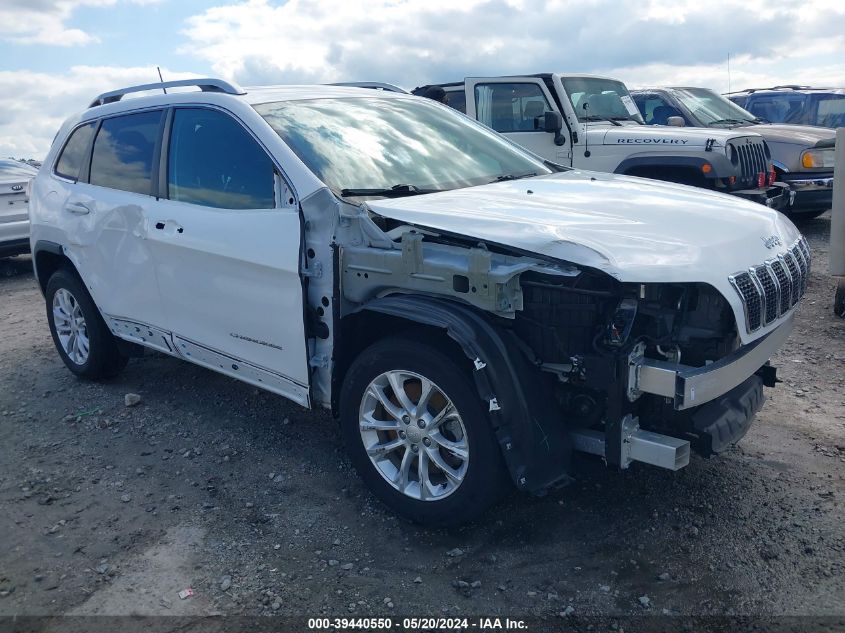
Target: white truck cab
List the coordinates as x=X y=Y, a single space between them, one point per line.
x=591 y=122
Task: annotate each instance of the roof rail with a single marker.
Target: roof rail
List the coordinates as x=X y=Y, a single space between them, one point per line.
x=783 y=87
x=206 y=85
x=375 y=85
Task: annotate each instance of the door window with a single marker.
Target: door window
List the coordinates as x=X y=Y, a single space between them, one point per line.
x=214 y=162
x=511 y=107
x=73 y=155
x=831 y=111
x=777 y=108
x=124 y=150
x=655 y=109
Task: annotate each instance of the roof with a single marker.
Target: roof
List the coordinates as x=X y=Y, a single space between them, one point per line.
x=264 y=94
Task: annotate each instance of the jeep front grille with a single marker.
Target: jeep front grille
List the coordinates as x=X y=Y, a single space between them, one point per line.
x=752 y=162
x=770 y=290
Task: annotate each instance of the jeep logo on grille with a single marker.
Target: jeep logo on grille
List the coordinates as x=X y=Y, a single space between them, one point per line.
x=771 y=241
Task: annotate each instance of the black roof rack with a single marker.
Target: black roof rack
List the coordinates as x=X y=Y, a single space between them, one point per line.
x=783 y=87
x=206 y=85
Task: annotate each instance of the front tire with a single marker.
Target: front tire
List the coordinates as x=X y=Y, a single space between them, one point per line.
x=418 y=435
x=84 y=342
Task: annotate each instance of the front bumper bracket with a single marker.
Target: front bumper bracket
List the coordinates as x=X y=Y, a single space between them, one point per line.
x=692 y=386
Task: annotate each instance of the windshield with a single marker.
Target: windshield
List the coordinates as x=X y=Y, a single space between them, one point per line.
x=605 y=99
x=379 y=143
x=712 y=109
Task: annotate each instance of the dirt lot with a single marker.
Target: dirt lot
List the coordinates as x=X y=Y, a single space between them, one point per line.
x=250 y=501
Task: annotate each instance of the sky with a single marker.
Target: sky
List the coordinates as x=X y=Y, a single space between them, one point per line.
x=57 y=55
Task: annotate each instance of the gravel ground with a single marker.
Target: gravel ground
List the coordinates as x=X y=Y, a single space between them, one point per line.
x=249 y=500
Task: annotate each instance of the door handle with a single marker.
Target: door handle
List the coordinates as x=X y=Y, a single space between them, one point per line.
x=77 y=208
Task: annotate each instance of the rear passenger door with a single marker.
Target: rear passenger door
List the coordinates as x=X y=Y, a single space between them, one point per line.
x=109 y=192
x=226 y=239
x=515 y=107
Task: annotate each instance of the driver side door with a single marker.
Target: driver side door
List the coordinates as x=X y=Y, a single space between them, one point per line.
x=514 y=107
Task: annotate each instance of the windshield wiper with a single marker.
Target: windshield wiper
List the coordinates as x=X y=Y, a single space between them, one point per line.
x=396 y=191
x=719 y=121
x=505 y=177
x=595 y=117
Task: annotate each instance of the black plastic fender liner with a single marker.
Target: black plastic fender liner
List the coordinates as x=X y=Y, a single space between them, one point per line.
x=44 y=246
x=528 y=426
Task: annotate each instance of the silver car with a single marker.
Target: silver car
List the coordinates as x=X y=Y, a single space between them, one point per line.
x=802 y=155
x=14 y=219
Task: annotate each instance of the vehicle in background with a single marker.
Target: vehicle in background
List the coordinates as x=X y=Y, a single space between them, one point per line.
x=14 y=219
x=591 y=122
x=802 y=155
x=798 y=105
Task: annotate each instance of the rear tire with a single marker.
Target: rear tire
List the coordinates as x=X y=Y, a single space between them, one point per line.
x=82 y=338
x=437 y=464
x=839 y=300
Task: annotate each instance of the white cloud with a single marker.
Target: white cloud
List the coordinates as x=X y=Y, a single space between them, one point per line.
x=413 y=42
x=34 y=105
x=43 y=22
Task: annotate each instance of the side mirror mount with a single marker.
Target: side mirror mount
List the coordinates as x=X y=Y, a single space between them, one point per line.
x=553 y=124
x=675 y=121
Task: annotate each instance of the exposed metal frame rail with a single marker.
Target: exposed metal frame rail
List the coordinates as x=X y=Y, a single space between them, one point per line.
x=207 y=84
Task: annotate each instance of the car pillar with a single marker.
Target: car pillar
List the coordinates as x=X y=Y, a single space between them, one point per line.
x=837 y=223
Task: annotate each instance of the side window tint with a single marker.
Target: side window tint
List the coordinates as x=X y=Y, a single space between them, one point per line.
x=658 y=111
x=214 y=162
x=510 y=107
x=73 y=155
x=123 y=152
x=457 y=99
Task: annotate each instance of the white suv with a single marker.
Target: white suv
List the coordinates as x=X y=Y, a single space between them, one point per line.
x=471 y=314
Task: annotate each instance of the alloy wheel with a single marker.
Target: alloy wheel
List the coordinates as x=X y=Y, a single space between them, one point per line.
x=414 y=435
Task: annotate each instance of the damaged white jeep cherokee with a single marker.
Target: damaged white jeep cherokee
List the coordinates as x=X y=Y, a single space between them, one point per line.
x=470 y=313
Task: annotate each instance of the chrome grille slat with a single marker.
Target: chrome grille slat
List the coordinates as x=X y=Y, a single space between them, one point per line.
x=751 y=299
x=795 y=275
x=784 y=285
x=802 y=262
x=769 y=290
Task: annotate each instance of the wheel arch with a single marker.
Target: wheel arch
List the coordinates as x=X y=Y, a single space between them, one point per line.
x=47 y=258
x=531 y=434
x=672 y=169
